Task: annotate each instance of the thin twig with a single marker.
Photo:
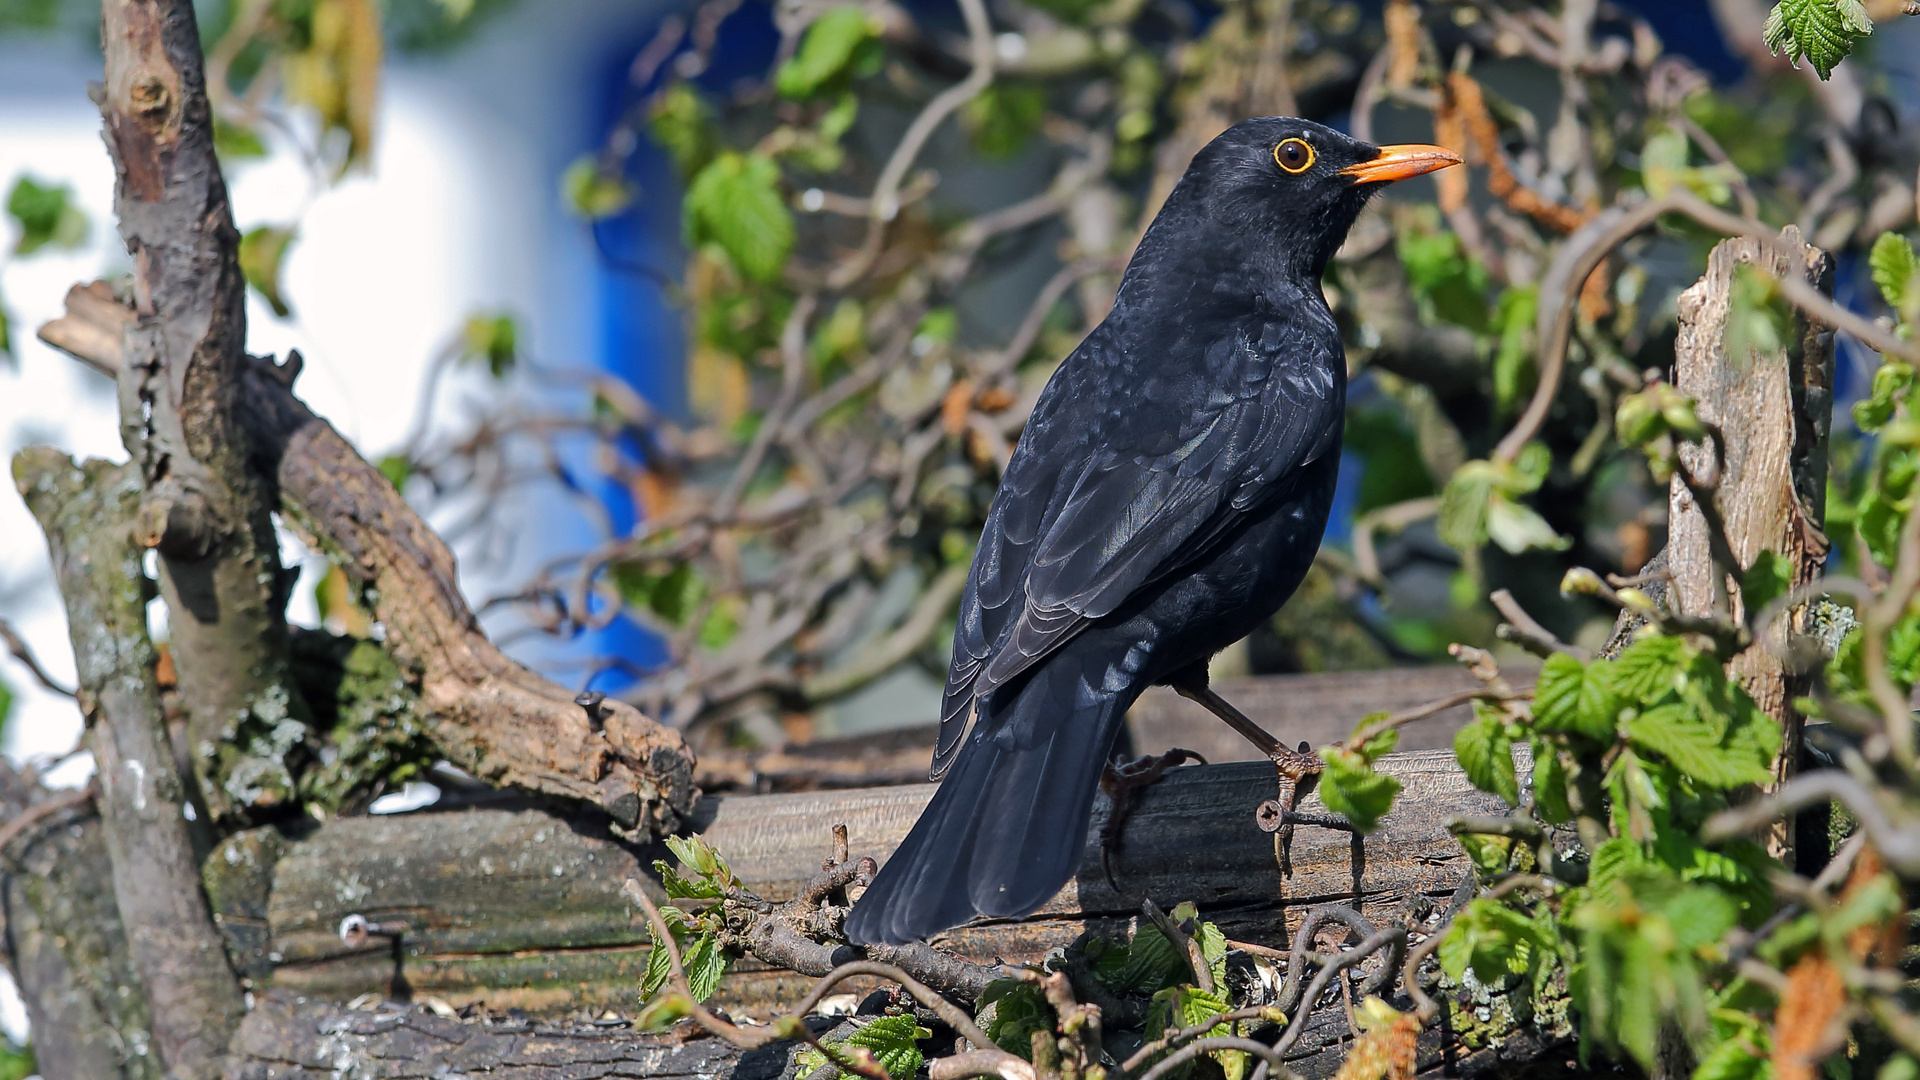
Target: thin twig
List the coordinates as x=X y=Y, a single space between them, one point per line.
x=23 y=652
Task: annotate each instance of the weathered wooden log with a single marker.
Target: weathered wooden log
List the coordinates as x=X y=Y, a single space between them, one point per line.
x=89 y=515
x=63 y=942
x=286 y=1038
x=1773 y=409
x=521 y=908
x=1318 y=708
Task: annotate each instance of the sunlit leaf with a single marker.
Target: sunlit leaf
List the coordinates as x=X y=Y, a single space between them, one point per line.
x=830 y=44
x=1822 y=31
x=735 y=203
x=46 y=216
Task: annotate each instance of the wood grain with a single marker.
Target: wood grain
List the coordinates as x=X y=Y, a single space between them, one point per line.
x=521 y=908
x=1773 y=409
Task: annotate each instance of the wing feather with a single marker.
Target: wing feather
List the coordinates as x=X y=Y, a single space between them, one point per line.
x=1087 y=516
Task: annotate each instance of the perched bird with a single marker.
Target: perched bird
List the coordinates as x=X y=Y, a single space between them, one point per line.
x=1166 y=497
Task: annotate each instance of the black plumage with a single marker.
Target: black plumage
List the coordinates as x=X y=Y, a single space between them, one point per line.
x=1168 y=494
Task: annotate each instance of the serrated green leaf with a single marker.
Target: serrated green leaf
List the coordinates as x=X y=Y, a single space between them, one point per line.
x=1575 y=699
x=735 y=203
x=46 y=215
x=894 y=1041
x=704 y=965
x=1822 y=31
x=1892 y=261
x=262 y=251
x=825 y=52
x=1646 y=669
x=1350 y=787
x=1485 y=752
x=1675 y=733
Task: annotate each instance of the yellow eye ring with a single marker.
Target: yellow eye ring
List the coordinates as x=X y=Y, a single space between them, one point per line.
x=1294 y=155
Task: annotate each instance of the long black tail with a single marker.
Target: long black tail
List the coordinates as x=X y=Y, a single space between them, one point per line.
x=1006 y=829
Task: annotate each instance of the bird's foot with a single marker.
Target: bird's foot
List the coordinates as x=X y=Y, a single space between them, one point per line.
x=1123 y=783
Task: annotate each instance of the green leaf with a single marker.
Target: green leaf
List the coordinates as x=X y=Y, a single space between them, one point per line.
x=1734 y=1059
x=1892 y=261
x=1571 y=698
x=1517 y=527
x=234 y=143
x=1351 y=788
x=1822 y=31
x=1003 y=117
x=1648 y=668
x=735 y=203
x=6 y=704
x=1891 y=382
x=1613 y=861
x=46 y=216
x=1676 y=733
x=894 y=1042
x=1513 y=371
x=1493 y=941
x=704 y=965
x=492 y=338
x=397 y=468
x=681 y=122
x=1485 y=752
x=590 y=193
x=262 y=251
x=1463 y=506
x=828 y=49
x=1018 y=1010
x=659 y=964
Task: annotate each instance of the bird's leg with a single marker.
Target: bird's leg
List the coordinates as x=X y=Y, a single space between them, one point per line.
x=1296 y=770
x=1123 y=783
x=1289 y=763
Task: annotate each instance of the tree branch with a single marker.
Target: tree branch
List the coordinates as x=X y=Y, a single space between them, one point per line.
x=89 y=516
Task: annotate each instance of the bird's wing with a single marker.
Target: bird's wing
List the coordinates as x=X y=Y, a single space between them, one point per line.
x=1068 y=541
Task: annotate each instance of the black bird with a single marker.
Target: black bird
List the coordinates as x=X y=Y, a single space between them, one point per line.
x=1167 y=496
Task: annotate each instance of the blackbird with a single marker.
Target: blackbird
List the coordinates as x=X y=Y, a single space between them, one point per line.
x=1167 y=496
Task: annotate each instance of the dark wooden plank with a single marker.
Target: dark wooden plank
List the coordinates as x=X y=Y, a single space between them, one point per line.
x=521 y=909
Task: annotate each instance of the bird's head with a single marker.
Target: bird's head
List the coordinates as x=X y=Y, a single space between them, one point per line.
x=1284 y=191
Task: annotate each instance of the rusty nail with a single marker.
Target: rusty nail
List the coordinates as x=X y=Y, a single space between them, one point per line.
x=355 y=930
x=1270 y=816
x=591 y=700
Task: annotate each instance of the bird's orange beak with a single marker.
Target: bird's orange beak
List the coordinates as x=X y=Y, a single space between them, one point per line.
x=1400 y=163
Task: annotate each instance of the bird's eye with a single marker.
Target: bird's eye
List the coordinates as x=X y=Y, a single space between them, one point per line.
x=1294 y=155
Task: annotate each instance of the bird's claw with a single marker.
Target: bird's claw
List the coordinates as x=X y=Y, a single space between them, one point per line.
x=1122 y=783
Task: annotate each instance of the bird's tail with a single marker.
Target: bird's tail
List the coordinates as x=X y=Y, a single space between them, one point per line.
x=1006 y=829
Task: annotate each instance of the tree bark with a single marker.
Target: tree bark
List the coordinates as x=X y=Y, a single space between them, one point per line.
x=89 y=515
x=486 y=713
x=205 y=511
x=64 y=944
x=1773 y=410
